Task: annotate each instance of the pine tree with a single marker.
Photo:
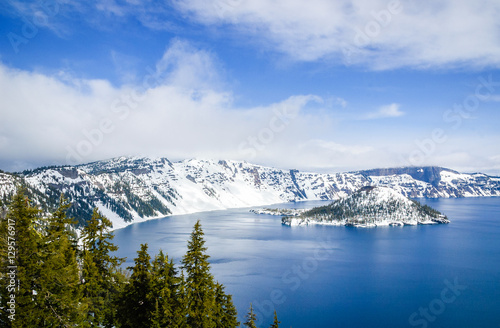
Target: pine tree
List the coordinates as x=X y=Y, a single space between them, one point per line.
x=275 y=323
x=251 y=318
x=100 y=273
x=136 y=305
x=5 y=248
x=225 y=312
x=181 y=313
x=160 y=293
x=60 y=290
x=21 y=238
x=200 y=294
x=47 y=270
x=169 y=309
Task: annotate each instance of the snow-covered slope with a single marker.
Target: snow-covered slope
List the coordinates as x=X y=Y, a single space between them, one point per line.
x=7 y=184
x=367 y=207
x=435 y=182
x=130 y=189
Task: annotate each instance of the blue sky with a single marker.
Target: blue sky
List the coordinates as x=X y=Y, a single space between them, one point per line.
x=317 y=85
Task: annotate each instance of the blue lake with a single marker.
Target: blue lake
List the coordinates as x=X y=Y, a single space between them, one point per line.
x=323 y=276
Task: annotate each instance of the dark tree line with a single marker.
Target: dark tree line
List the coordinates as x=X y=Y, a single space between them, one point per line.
x=51 y=278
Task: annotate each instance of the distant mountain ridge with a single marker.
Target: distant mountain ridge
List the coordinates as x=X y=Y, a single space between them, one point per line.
x=132 y=189
x=429 y=174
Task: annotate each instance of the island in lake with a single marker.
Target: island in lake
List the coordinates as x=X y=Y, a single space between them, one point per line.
x=368 y=207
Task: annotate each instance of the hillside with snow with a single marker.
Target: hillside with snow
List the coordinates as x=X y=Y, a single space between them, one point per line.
x=369 y=207
x=130 y=189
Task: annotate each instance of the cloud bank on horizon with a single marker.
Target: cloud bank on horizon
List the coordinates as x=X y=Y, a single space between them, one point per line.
x=320 y=85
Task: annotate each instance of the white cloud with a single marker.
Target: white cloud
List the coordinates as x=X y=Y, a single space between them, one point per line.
x=335 y=147
x=346 y=155
x=40 y=14
x=386 y=111
x=180 y=109
x=188 y=67
x=111 y=7
x=379 y=34
x=151 y=14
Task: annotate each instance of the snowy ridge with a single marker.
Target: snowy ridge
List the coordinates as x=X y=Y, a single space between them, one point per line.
x=7 y=184
x=130 y=189
x=370 y=207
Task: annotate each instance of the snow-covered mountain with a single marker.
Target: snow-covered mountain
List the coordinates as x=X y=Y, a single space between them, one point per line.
x=130 y=189
x=369 y=207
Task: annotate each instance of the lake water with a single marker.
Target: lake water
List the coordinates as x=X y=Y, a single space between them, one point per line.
x=323 y=276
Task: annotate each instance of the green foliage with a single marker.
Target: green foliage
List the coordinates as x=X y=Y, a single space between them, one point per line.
x=251 y=318
x=100 y=270
x=27 y=240
x=62 y=284
x=169 y=306
x=48 y=293
x=59 y=289
x=275 y=323
x=427 y=210
x=200 y=286
x=136 y=303
x=225 y=312
x=83 y=210
x=156 y=296
x=143 y=208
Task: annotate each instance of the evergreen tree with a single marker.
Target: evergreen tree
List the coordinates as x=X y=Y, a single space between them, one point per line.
x=136 y=305
x=101 y=277
x=5 y=278
x=169 y=308
x=60 y=290
x=54 y=292
x=181 y=308
x=251 y=318
x=275 y=323
x=225 y=312
x=47 y=269
x=21 y=262
x=200 y=294
x=161 y=293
